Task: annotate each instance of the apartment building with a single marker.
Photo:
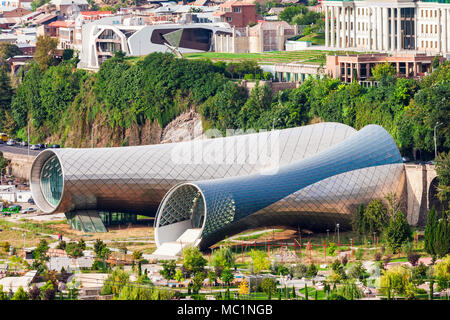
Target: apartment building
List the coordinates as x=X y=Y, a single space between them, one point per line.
x=387 y=26
x=236 y=13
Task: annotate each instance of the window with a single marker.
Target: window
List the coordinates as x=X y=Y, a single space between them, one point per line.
x=237 y=10
x=228 y=19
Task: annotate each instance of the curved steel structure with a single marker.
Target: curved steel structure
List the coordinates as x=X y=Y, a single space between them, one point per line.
x=314 y=192
x=135 y=179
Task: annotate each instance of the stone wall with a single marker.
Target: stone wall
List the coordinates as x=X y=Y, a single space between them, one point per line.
x=20 y=164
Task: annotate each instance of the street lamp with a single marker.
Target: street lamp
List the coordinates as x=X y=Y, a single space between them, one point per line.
x=435 y=147
x=328 y=235
x=24 y=237
x=337 y=226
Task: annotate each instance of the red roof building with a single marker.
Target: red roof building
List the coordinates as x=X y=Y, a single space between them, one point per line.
x=237 y=13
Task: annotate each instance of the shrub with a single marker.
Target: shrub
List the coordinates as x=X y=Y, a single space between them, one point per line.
x=331 y=249
x=413 y=258
x=377 y=256
x=312 y=270
x=299 y=271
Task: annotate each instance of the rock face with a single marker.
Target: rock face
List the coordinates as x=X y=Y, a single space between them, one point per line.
x=187 y=126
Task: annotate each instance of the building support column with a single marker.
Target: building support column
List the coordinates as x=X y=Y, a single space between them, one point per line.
x=338 y=27
x=399 y=29
x=392 y=48
x=439 y=30
x=343 y=37
x=385 y=29
x=444 y=27
x=349 y=41
x=355 y=44
x=327 y=30
x=375 y=29
x=333 y=35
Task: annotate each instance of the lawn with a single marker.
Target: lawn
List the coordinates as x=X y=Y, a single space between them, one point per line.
x=315 y=38
x=272 y=57
x=311 y=293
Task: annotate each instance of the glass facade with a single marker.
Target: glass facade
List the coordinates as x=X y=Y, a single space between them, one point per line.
x=315 y=192
x=52 y=180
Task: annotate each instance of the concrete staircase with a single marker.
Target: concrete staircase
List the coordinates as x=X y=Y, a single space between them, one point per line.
x=174 y=248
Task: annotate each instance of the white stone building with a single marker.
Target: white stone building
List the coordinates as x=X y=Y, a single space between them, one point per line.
x=387 y=26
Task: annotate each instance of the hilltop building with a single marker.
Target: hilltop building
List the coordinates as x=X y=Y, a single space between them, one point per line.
x=387 y=26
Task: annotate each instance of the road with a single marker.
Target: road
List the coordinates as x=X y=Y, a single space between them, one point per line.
x=18 y=150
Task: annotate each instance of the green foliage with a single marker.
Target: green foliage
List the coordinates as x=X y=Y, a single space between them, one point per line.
x=429 y=234
x=397 y=280
x=222 y=258
x=74 y=249
x=115 y=282
x=443 y=173
x=383 y=70
x=350 y=291
x=442 y=236
x=356 y=271
x=442 y=273
x=260 y=260
x=299 y=270
x=101 y=250
x=398 y=232
x=312 y=270
x=45 y=51
x=169 y=269
x=20 y=294
x=40 y=253
x=290 y=12
x=269 y=286
x=375 y=218
x=227 y=276
x=193 y=260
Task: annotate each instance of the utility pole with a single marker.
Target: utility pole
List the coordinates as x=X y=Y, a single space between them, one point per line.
x=28 y=134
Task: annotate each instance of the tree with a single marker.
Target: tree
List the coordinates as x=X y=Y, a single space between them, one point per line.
x=260 y=260
x=40 y=253
x=193 y=260
x=178 y=276
x=312 y=270
x=396 y=280
x=3 y=294
x=442 y=273
x=442 y=236
x=398 y=232
x=221 y=259
x=34 y=293
x=115 y=282
x=20 y=294
x=356 y=271
x=375 y=217
x=429 y=234
x=269 y=286
x=443 y=173
x=357 y=219
x=101 y=250
x=45 y=51
x=74 y=250
x=137 y=255
x=48 y=291
x=227 y=276
x=197 y=281
x=413 y=258
x=6 y=92
x=168 y=271
x=244 y=288
x=383 y=71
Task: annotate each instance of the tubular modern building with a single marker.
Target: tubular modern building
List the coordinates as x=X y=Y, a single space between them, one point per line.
x=315 y=192
x=204 y=190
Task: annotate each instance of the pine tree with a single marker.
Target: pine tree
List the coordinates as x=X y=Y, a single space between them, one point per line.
x=429 y=234
x=398 y=232
x=441 y=237
x=306 y=291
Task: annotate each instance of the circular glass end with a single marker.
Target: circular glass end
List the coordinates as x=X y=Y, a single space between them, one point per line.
x=52 y=180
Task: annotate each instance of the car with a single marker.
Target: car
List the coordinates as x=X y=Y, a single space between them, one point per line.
x=31 y=201
x=15 y=207
x=41 y=146
x=11 y=142
x=23 y=143
x=34 y=147
x=55 y=146
x=28 y=210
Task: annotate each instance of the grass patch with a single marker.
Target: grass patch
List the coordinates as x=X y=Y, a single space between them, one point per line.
x=304 y=56
x=315 y=38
